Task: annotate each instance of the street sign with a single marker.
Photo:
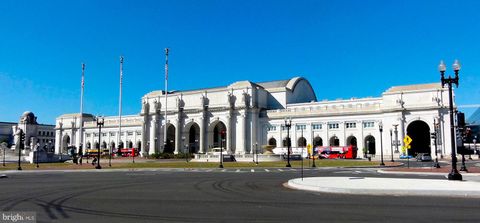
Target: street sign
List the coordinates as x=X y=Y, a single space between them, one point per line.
x=407 y=140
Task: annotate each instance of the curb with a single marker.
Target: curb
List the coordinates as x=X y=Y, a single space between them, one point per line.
x=316 y=187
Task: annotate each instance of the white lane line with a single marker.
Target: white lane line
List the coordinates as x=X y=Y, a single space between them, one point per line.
x=224 y=170
x=266 y=170
x=280 y=170
x=238 y=170
x=252 y=170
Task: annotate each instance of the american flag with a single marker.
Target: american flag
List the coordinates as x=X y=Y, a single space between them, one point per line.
x=83 y=75
x=166 y=63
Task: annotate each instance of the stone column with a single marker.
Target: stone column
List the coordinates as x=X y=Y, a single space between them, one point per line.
x=58 y=141
x=242 y=139
x=143 y=138
x=254 y=115
x=229 y=132
x=153 y=134
x=202 y=134
x=178 y=137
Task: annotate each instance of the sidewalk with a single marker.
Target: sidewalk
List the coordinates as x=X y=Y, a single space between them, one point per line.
x=388 y=186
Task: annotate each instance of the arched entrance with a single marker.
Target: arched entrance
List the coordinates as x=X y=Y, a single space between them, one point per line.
x=97 y=145
x=317 y=141
x=370 y=144
x=194 y=138
x=420 y=134
x=139 y=146
x=272 y=142
x=302 y=142
x=334 y=141
x=89 y=145
x=104 y=145
x=170 y=143
x=65 y=143
x=130 y=144
x=215 y=138
x=352 y=140
x=112 y=145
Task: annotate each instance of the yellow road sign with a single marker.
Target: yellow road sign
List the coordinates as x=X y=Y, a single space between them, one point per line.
x=407 y=140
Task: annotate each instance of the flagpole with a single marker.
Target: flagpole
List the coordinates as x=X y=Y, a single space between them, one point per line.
x=166 y=95
x=81 y=110
x=120 y=108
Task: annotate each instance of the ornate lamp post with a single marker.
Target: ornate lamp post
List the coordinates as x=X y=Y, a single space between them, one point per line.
x=4 y=145
x=380 y=127
x=36 y=153
x=256 y=152
x=396 y=137
x=184 y=149
x=222 y=138
x=435 y=137
x=475 y=145
x=100 y=122
x=391 y=146
x=288 y=124
x=454 y=174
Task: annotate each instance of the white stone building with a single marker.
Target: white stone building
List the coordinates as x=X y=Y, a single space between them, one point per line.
x=253 y=113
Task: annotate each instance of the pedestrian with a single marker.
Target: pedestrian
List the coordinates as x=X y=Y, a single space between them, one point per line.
x=94 y=161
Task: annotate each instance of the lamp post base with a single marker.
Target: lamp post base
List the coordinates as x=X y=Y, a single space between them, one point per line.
x=98 y=167
x=463 y=168
x=220 y=166
x=454 y=175
x=288 y=165
x=19 y=168
x=382 y=164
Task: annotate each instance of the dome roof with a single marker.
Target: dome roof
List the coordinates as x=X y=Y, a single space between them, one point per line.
x=28 y=118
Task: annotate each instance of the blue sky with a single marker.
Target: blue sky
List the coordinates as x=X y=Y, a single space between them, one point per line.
x=344 y=48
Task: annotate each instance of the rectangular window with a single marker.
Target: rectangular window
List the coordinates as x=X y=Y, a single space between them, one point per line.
x=139 y=133
x=87 y=135
x=130 y=133
x=351 y=125
x=112 y=134
x=104 y=134
x=271 y=128
x=301 y=127
x=368 y=124
x=316 y=126
x=332 y=125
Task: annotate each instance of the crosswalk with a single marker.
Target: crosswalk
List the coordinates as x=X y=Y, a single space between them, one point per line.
x=246 y=170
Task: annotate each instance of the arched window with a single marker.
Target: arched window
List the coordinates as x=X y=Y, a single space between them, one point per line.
x=272 y=142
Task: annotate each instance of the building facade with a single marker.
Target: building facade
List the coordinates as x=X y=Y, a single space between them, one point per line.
x=253 y=114
x=35 y=133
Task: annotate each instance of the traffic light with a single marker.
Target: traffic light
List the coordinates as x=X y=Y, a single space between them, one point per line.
x=461 y=119
x=22 y=139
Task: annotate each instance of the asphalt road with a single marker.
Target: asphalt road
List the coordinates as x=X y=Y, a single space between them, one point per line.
x=214 y=196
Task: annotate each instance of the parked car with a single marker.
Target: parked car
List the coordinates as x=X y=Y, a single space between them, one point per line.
x=424 y=157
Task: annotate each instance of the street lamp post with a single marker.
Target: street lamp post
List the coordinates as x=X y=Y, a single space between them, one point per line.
x=435 y=137
x=36 y=153
x=454 y=174
x=22 y=145
x=391 y=145
x=256 y=152
x=110 y=156
x=100 y=122
x=380 y=126
x=475 y=145
x=222 y=135
x=184 y=148
x=288 y=124
x=396 y=137
x=4 y=145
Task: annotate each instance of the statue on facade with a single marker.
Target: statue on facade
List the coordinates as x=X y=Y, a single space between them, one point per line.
x=16 y=137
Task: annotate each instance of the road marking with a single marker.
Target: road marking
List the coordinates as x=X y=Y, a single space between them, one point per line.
x=252 y=170
x=224 y=170
x=238 y=170
x=266 y=170
x=280 y=170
